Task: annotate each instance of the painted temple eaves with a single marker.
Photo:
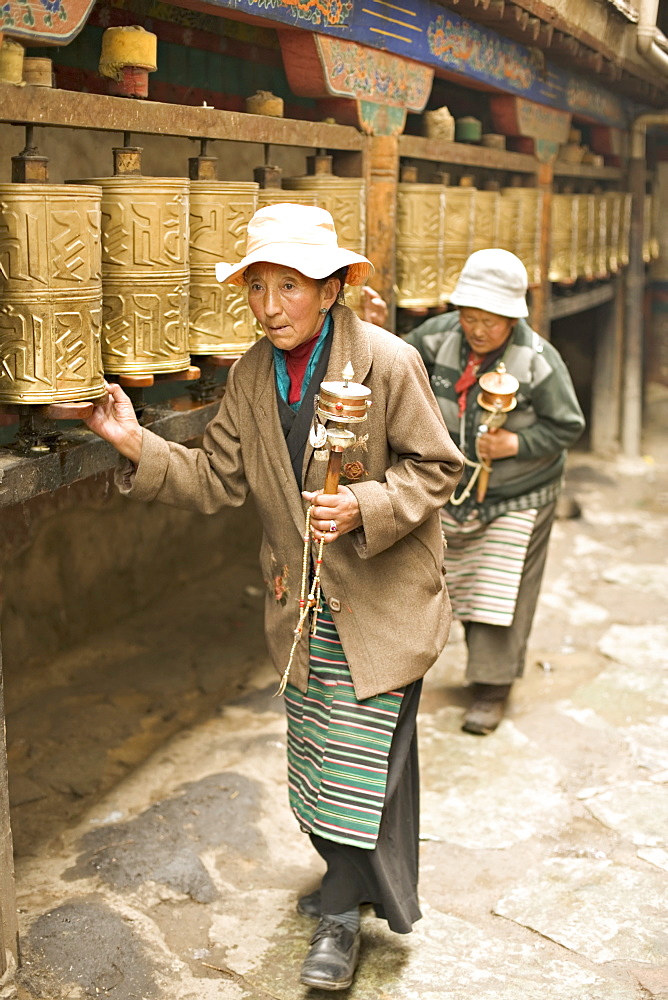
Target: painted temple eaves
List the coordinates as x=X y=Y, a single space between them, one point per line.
x=423 y=31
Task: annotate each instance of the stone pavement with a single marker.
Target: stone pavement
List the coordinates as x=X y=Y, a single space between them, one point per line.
x=544 y=859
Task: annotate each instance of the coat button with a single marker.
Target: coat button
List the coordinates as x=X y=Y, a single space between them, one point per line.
x=333 y=604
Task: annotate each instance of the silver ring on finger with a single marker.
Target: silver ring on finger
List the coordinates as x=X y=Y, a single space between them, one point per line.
x=332 y=527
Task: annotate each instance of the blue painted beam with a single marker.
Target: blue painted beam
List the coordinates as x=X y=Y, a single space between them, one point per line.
x=429 y=33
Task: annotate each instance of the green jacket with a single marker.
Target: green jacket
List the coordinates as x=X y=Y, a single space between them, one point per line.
x=547 y=418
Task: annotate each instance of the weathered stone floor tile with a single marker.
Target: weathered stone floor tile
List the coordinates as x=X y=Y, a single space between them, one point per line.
x=604 y=911
x=636 y=810
x=446 y=958
x=488 y=793
x=642 y=646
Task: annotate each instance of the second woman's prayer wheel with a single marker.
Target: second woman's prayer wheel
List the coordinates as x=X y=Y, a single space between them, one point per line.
x=50 y=293
x=145 y=274
x=420 y=227
x=220 y=320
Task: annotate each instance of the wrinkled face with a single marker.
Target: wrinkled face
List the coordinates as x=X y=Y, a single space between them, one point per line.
x=286 y=303
x=484 y=331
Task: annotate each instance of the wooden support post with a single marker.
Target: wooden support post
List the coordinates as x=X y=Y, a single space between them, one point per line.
x=382 y=179
x=606 y=382
x=540 y=296
x=9 y=931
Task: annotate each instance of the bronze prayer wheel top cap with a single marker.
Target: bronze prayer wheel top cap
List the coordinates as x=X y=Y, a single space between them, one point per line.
x=498 y=390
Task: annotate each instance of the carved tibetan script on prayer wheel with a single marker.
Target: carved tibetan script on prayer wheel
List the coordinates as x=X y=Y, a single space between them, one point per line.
x=221 y=321
x=345 y=199
x=50 y=293
x=459 y=222
x=420 y=223
x=145 y=274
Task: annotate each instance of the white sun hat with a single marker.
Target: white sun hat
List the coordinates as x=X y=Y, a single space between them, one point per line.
x=299 y=236
x=494 y=280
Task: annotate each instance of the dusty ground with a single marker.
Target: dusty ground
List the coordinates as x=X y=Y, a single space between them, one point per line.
x=157 y=858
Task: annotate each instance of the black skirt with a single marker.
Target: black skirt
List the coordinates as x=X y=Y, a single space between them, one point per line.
x=386 y=876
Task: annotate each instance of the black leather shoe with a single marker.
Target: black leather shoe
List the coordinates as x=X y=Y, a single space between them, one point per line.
x=310 y=906
x=332 y=957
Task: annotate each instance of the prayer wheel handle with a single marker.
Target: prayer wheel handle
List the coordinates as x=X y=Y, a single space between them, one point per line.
x=338 y=439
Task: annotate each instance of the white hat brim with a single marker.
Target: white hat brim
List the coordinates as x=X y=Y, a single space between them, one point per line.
x=314 y=261
x=512 y=308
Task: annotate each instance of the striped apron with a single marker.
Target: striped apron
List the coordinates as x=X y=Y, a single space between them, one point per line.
x=338 y=747
x=485 y=564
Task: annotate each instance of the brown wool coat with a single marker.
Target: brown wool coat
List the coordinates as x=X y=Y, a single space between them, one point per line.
x=385 y=584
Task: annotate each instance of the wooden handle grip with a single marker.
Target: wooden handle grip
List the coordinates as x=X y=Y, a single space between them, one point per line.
x=333 y=473
x=483 y=481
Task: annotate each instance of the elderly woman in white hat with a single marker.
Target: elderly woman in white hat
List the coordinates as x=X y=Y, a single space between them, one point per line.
x=497 y=543
x=354 y=683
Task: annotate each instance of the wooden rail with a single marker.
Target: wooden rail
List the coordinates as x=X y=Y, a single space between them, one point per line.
x=71 y=109
x=461 y=153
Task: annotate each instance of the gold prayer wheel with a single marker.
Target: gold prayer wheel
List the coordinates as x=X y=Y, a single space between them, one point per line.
x=520 y=218
x=345 y=199
x=563 y=260
x=420 y=249
x=458 y=235
x=600 y=249
x=625 y=200
x=650 y=247
x=612 y=223
x=50 y=293
x=276 y=196
x=220 y=320
x=144 y=274
x=585 y=240
x=487 y=206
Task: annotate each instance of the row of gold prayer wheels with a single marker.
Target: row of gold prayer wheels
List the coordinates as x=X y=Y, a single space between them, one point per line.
x=116 y=275
x=438 y=226
x=590 y=235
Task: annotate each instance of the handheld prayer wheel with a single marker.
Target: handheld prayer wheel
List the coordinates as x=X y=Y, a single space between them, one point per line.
x=345 y=199
x=487 y=205
x=220 y=320
x=145 y=273
x=498 y=397
x=340 y=404
x=563 y=260
x=585 y=236
x=50 y=293
x=458 y=235
x=420 y=247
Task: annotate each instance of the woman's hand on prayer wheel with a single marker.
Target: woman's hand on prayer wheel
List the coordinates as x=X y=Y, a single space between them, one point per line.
x=497 y=443
x=115 y=420
x=332 y=516
x=374 y=306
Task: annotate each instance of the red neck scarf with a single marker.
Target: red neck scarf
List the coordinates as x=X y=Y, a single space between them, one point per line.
x=467 y=378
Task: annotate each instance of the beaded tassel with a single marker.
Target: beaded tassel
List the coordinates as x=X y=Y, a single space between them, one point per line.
x=306 y=603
